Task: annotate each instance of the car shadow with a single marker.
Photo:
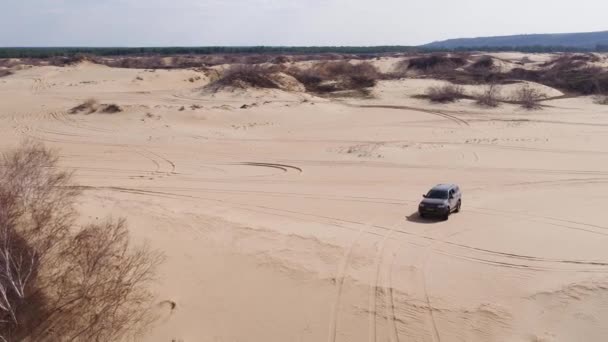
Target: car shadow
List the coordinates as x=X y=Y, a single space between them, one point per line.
x=415 y=217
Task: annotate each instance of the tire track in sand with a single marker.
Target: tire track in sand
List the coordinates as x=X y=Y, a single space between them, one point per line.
x=389 y=298
x=480 y=255
x=282 y=167
x=375 y=289
x=453 y=118
x=333 y=324
x=375 y=292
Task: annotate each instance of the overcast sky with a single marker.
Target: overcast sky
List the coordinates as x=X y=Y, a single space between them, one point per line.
x=285 y=22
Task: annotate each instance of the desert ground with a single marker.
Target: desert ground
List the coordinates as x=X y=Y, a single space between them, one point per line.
x=286 y=216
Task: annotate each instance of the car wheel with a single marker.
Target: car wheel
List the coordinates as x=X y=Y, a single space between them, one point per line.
x=447 y=216
x=458 y=206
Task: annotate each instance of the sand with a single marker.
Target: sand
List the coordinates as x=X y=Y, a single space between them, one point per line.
x=294 y=219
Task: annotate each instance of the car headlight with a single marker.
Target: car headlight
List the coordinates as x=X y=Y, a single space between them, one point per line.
x=442 y=206
x=421 y=205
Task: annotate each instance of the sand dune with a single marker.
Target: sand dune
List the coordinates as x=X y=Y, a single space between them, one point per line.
x=289 y=217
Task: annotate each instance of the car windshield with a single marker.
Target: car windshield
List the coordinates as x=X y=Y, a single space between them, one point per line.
x=437 y=194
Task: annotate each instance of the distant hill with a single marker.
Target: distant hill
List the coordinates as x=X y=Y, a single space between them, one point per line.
x=589 y=40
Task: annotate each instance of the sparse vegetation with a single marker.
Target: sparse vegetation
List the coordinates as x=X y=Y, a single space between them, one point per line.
x=59 y=282
x=528 y=97
x=245 y=76
x=327 y=77
x=601 y=100
x=572 y=73
x=484 y=62
x=89 y=106
x=5 y=72
x=446 y=93
x=436 y=63
x=490 y=97
x=111 y=109
x=525 y=60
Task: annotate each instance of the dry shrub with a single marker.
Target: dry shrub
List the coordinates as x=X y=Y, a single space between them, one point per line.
x=484 y=62
x=332 y=76
x=245 y=76
x=59 y=282
x=528 y=97
x=148 y=62
x=601 y=100
x=571 y=73
x=308 y=77
x=89 y=106
x=436 y=62
x=111 y=109
x=446 y=93
x=71 y=60
x=585 y=80
x=5 y=72
x=448 y=68
x=570 y=61
x=281 y=59
x=490 y=97
x=525 y=60
x=400 y=69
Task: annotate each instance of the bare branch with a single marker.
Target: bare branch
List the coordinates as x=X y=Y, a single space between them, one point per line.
x=59 y=282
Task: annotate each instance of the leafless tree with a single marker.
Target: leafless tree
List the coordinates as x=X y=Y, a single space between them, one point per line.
x=59 y=282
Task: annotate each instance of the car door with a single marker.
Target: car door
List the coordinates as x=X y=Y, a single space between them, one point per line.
x=453 y=200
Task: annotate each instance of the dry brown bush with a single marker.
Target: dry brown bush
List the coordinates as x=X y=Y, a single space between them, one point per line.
x=490 y=96
x=436 y=62
x=111 y=108
x=528 y=97
x=59 y=282
x=89 y=106
x=92 y=105
x=446 y=93
x=245 y=76
x=484 y=62
x=332 y=76
x=570 y=73
x=5 y=72
x=601 y=100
